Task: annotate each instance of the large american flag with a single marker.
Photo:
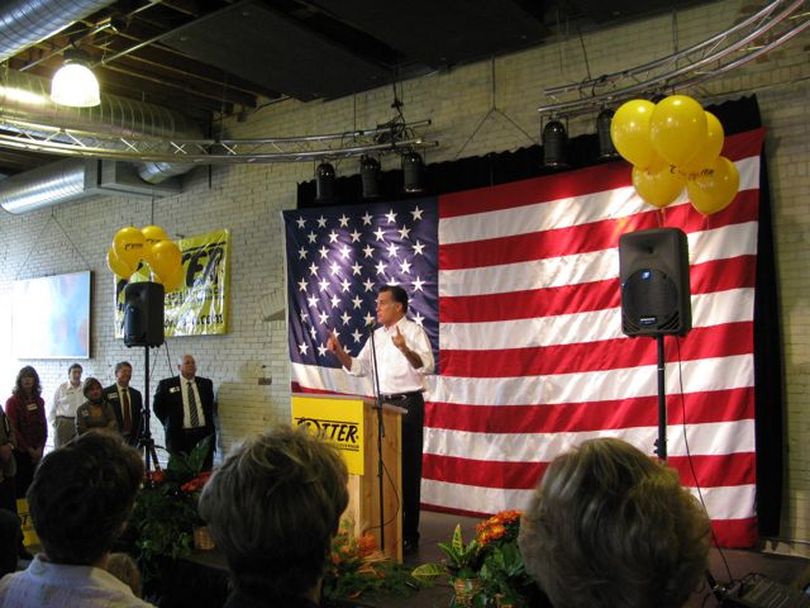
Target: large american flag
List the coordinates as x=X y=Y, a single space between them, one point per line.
x=517 y=286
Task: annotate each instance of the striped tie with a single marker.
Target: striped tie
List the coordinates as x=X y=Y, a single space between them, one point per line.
x=193 y=415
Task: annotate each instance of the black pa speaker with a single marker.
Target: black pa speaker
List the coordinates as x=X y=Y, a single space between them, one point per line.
x=143 y=314
x=654 y=274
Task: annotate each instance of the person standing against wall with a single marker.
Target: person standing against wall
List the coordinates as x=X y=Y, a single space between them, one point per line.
x=67 y=399
x=26 y=412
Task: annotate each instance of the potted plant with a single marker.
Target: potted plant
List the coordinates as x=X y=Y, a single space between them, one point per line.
x=165 y=516
x=503 y=574
x=462 y=564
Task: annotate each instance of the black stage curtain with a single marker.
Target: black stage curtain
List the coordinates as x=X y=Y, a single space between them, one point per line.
x=502 y=167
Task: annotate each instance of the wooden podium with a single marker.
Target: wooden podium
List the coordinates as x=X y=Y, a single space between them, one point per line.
x=350 y=423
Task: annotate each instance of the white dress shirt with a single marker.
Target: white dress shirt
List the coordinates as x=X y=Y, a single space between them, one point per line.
x=395 y=371
x=66 y=401
x=186 y=408
x=47 y=585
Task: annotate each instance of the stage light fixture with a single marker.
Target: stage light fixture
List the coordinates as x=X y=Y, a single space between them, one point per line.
x=74 y=84
x=555 y=140
x=606 y=149
x=324 y=182
x=370 y=176
x=412 y=167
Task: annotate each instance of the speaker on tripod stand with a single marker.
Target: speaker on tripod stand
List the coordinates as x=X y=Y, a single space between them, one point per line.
x=143 y=326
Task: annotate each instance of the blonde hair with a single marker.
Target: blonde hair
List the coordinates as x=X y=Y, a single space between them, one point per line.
x=609 y=526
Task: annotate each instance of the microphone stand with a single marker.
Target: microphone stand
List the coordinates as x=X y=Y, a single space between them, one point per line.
x=380 y=433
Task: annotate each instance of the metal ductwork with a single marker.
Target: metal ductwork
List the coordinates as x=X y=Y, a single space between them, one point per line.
x=74 y=179
x=26 y=22
x=25 y=105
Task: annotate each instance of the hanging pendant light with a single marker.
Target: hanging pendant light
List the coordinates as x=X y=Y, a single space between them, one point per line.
x=74 y=84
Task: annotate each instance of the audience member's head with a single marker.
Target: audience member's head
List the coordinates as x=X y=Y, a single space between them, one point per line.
x=609 y=526
x=124 y=568
x=272 y=508
x=82 y=495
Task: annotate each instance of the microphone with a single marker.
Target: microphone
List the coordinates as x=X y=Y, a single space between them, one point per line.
x=371 y=324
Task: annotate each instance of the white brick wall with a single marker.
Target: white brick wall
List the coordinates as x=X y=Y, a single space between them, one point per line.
x=248 y=200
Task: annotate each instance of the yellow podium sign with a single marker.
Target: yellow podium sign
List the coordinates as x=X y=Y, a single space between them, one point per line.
x=338 y=421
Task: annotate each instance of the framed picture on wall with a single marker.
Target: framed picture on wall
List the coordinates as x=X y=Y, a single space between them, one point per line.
x=50 y=317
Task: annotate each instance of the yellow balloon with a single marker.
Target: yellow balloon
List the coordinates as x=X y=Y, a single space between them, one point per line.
x=714 y=188
x=118 y=267
x=165 y=258
x=658 y=188
x=173 y=281
x=153 y=234
x=128 y=244
x=715 y=138
x=678 y=129
x=630 y=132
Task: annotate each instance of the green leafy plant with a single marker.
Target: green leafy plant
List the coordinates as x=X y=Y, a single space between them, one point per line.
x=493 y=558
x=461 y=560
x=165 y=514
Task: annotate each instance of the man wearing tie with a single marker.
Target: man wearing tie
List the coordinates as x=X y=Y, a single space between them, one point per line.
x=186 y=407
x=127 y=403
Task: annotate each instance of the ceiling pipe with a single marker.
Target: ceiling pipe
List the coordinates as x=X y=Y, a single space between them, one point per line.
x=23 y=23
x=25 y=106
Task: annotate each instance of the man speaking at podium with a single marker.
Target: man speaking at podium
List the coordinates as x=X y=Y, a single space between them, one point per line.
x=404 y=357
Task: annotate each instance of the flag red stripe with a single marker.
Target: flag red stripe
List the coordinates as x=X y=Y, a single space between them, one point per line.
x=723 y=470
x=716 y=275
x=706 y=406
x=535 y=190
x=726 y=470
x=593 y=236
x=736 y=533
x=702 y=342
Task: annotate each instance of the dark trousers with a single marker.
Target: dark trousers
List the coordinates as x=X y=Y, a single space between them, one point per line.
x=25 y=472
x=412 y=435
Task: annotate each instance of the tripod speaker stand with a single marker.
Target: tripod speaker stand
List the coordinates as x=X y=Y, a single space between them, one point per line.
x=143 y=326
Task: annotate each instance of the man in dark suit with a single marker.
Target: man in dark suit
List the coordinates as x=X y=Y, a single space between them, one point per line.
x=185 y=405
x=127 y=403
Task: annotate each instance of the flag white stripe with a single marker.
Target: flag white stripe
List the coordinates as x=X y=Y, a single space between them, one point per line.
x=565 y=212
x=710 y=309
x=704 y=246
x=710 y=438
x=722 y=502
x=710 y=374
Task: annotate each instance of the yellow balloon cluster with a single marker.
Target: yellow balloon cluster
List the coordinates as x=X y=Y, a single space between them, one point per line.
x=672 y=144
x=150 y=244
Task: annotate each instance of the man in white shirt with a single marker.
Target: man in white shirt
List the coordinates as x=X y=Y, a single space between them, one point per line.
x=66 y=401
x=404 y=356
x=102 y=475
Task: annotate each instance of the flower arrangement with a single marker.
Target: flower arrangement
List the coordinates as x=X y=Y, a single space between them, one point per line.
x=356 y=567
x=503 y=574
x=489 y=570
x=165 y=514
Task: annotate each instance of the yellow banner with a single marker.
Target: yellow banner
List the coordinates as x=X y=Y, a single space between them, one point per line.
x=200 y=306
x=336 y=421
